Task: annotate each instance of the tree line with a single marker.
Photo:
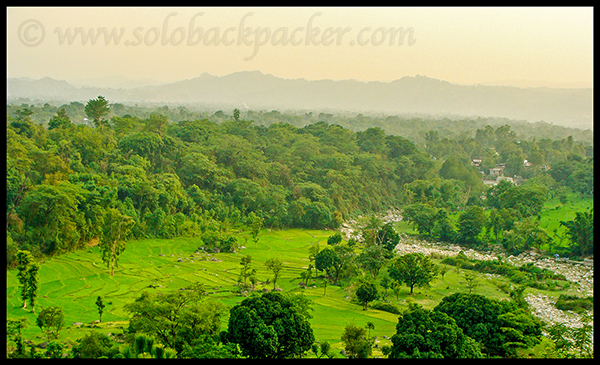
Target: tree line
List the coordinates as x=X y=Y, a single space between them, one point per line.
x=413 y=126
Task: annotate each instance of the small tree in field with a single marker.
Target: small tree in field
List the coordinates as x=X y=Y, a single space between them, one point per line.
x=422 y=333
x=413 y=269
x=369 y=326
x=322 y=349
x=396 y=288
x=471 y=281
x=100 y=304
x=272 y=326
x=52 y=319
x=366 y=293
x=256 y=224
x=246 y=272
x=328 y=260
x=275 y=265
x=334 y=239
x=356 y=343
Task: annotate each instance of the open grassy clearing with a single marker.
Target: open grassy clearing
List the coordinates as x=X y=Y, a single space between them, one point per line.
x=73 y=282
x=554 y=212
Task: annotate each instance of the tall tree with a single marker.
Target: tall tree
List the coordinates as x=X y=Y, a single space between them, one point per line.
x=526 y=199
x=51 y=318
x=33 y=282
x=94 y=345
x=96 y=110
x=372 y=259
x=470 y=224
x=117 y=227
x=388 y=238
x=371 y=226
x=177 y=318
x=24 y=260
x=100 y=305
x=60 y=120
x=499 y=325
x=328 y=260
x=422 y=216
x=51 y=213
x=256 y=224
x=157 y=123
x=581 y=232
x=246 y=272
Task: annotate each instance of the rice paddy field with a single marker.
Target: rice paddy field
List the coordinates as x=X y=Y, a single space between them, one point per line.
x=73 y=281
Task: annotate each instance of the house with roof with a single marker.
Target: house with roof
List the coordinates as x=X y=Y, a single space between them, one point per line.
x=497 y=171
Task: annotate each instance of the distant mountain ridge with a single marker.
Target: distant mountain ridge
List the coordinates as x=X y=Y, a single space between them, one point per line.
x=409 y=94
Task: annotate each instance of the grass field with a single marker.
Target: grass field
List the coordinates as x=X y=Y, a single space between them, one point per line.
x=73 y=281
x=554 y=212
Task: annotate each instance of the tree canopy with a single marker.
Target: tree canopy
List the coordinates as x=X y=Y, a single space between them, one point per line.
x=500 y=326
x=413 y=269
x=177 y=319
x=581 y=232
x=270 y=325
x=423 y=334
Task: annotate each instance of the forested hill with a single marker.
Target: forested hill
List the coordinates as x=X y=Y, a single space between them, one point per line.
x=419 y=94
x=198 y=177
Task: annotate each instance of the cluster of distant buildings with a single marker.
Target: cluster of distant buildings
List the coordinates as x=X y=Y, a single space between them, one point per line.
x=497 y=173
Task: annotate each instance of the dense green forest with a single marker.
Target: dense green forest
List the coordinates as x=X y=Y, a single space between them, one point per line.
x=201 y=177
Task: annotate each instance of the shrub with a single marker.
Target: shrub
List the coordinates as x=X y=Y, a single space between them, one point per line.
x=519 y=277
x=334 y=239
x=575 y=303
x=219 y=242
x=386 y=307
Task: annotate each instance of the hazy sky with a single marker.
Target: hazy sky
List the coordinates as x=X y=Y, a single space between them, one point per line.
x=460 y=45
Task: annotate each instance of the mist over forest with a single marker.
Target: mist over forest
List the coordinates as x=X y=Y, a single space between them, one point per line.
x=254 y=90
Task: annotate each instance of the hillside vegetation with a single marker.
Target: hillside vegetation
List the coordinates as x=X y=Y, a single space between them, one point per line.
x=113 y=212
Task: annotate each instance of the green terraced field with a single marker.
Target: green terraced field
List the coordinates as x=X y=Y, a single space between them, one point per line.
x=73 y=282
